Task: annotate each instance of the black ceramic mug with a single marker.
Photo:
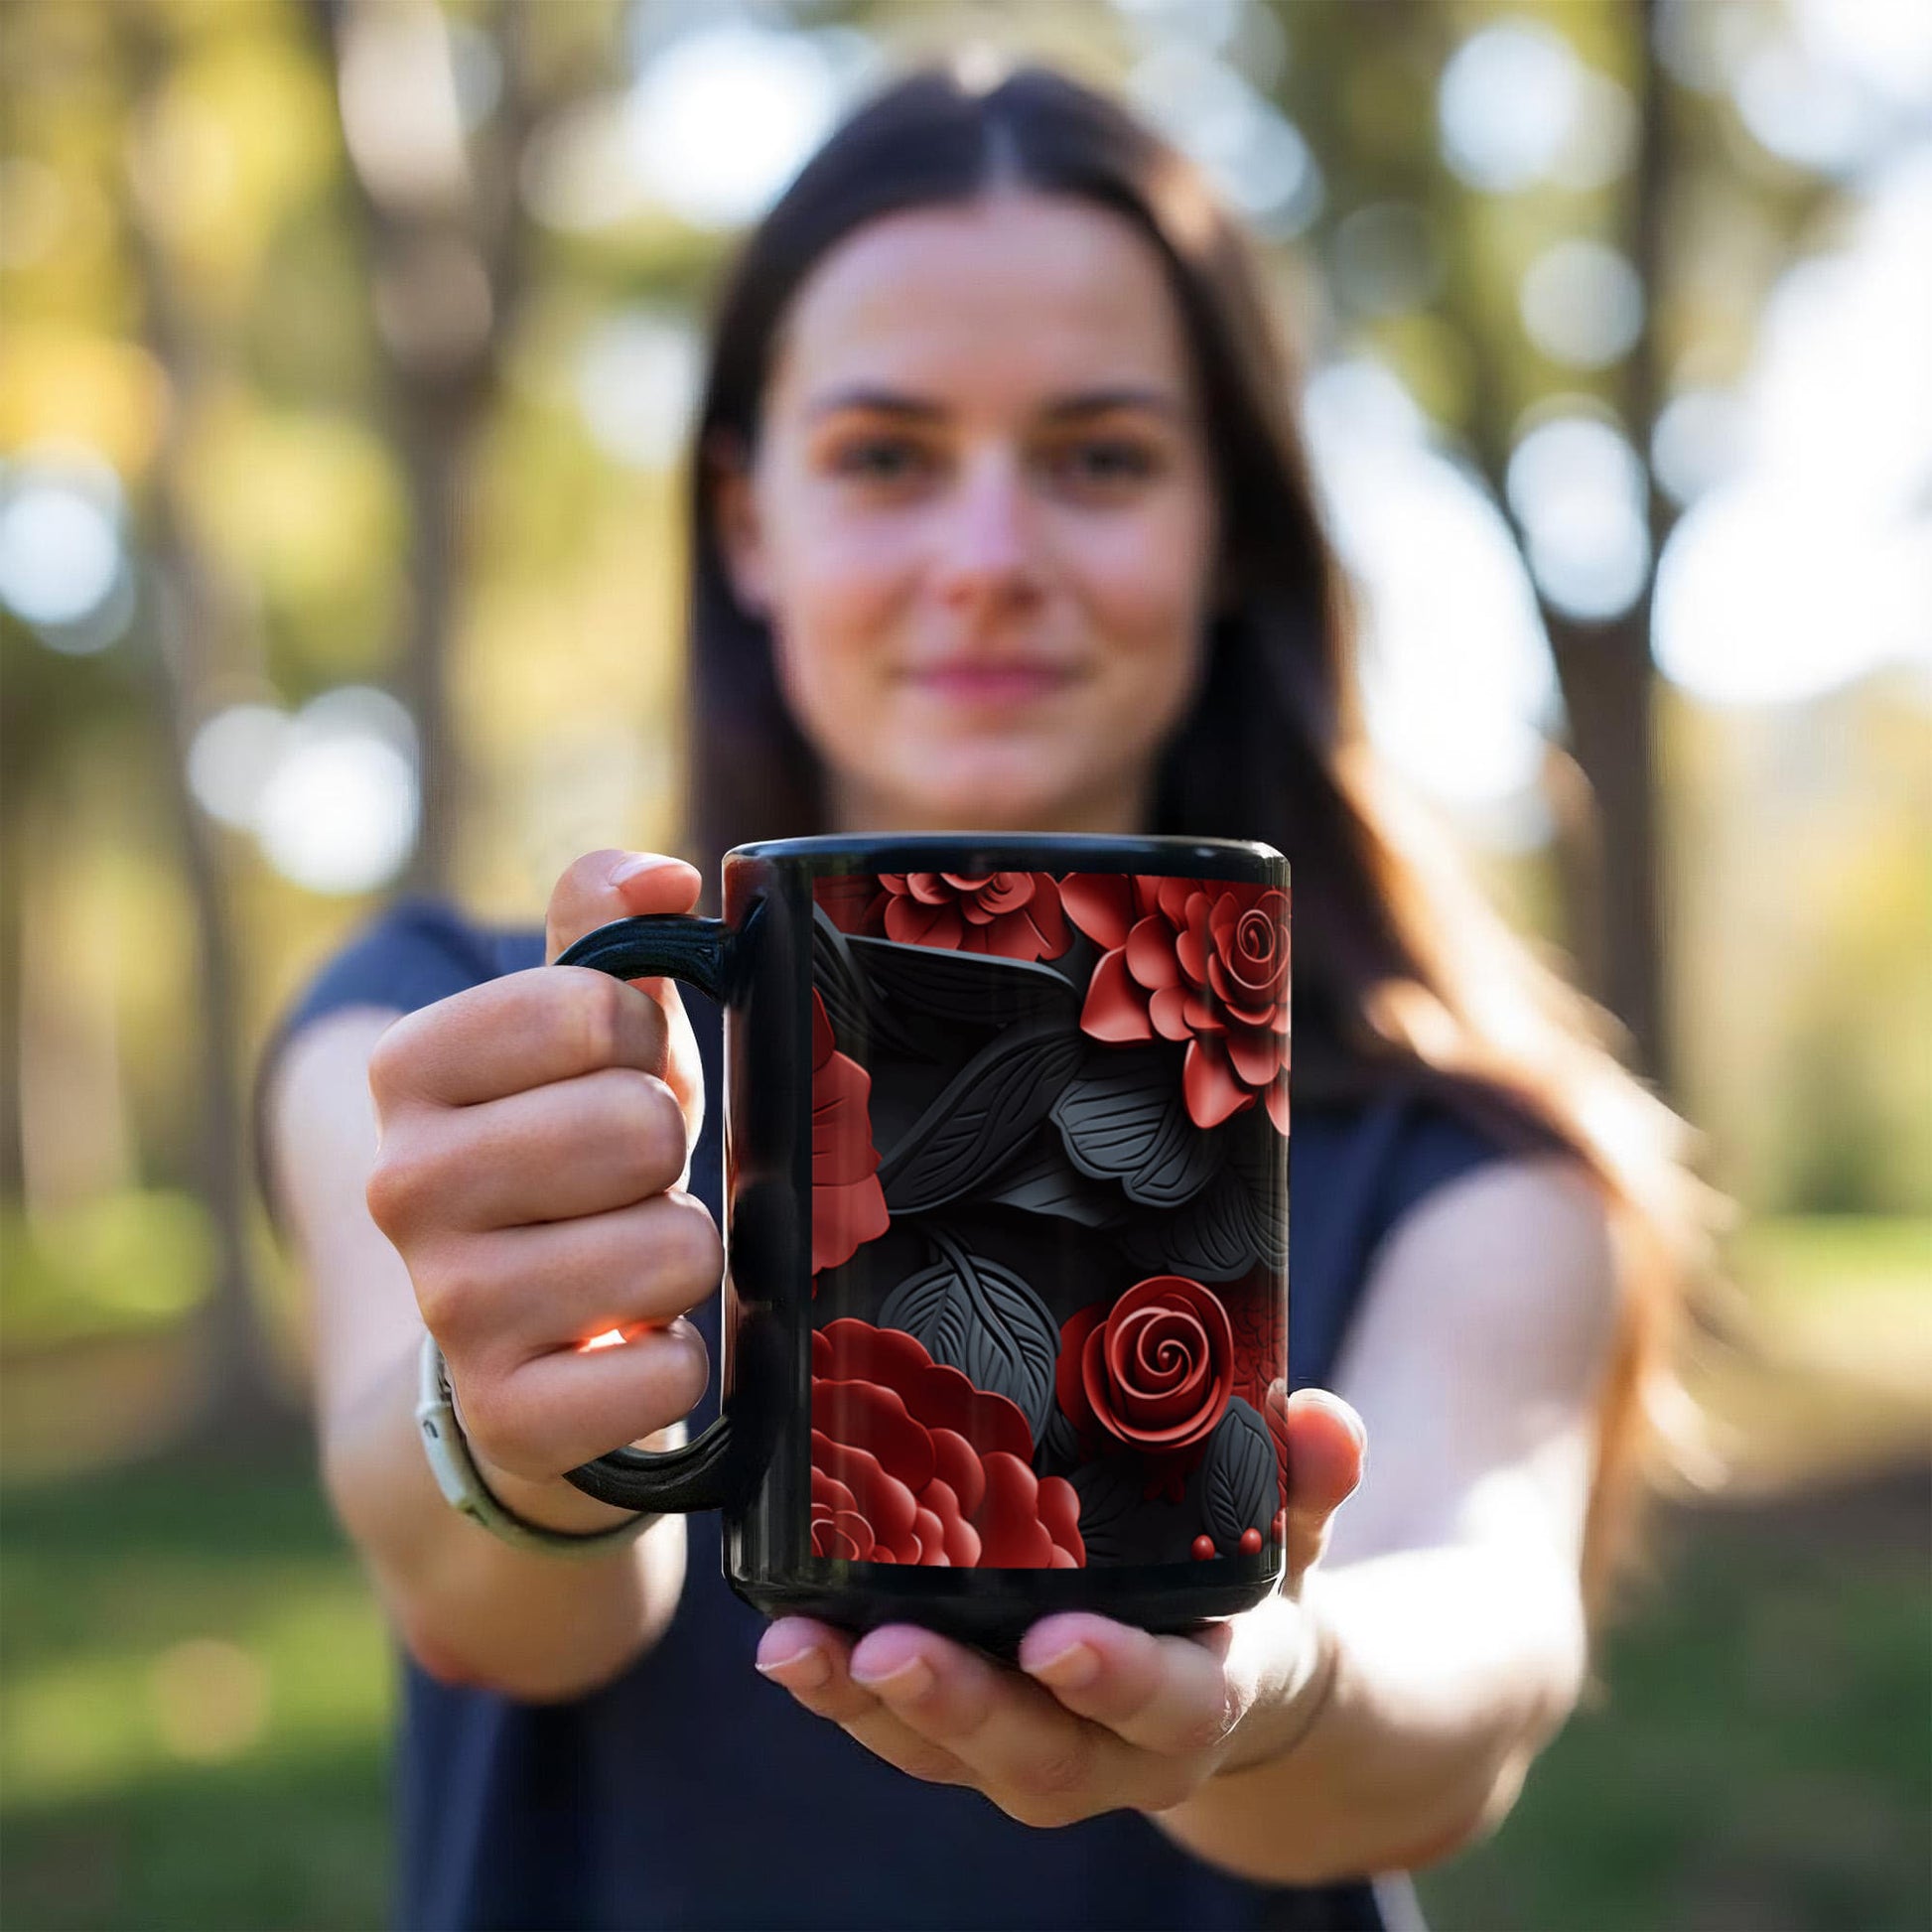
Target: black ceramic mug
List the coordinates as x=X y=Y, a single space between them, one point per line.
x=1006 y=1223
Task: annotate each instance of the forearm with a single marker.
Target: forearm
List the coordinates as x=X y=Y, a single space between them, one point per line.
x=1448 y=1674
x=469 y=1607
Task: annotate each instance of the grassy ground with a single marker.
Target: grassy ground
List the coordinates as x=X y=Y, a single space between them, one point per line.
x=193 y=1687
x=196 y=1689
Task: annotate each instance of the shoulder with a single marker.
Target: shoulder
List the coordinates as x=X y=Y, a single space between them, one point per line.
x=1483 y=1219
x=410 y=954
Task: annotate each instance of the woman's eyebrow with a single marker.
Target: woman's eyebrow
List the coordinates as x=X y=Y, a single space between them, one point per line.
x=1071 y=408
x=877 y=401
x=1101 y=402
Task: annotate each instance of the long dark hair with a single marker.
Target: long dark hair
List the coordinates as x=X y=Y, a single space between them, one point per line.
x=1403 y=975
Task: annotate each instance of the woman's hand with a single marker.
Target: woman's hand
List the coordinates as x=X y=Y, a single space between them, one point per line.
x=535 y=1135
x=1100 y=1714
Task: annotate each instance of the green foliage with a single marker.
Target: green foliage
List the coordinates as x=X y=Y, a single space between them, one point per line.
x=117 y=1264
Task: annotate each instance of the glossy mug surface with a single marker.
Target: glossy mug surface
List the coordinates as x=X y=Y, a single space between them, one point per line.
x=1005 y=1222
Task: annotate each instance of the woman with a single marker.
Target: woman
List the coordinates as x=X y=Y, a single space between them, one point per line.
x=1000 y=520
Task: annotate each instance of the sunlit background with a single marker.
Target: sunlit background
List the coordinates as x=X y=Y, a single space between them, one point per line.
x=346 y=352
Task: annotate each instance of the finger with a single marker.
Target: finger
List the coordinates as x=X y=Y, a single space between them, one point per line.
x=1326 y=1452
x=610 y=884
x=517 y=1033
x=556 y=1152
x=814 y=1663
x=506 y=1298
x=576 y=1404
x=1171 y=1695
x=1036 y=1759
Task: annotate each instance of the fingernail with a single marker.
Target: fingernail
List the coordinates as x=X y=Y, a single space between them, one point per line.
x=906 y=1683
x=1341 y=1411
x=803 y=1669
x=642 y=862
x=1069 y=1668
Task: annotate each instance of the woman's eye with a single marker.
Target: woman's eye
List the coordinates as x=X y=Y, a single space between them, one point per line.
x=1104 y=461
x=879 y=459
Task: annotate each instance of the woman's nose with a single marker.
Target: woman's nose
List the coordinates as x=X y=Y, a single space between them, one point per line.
x=987 y=543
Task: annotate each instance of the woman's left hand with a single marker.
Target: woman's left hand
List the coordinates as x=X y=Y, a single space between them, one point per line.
x=1099 y=1715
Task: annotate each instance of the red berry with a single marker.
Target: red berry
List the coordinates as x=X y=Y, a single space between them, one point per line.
x=1251 y=1543
x=1203 y=1548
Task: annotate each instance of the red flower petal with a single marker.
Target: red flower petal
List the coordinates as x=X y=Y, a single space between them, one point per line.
x=1209 y=1087
x=1257 y=1056
x=844 y=1218
x=1059 y=1514
x=1167 y=1009
x=1100 y=903
x=1150 y=954
x=958 y=1467
x=1116 y=1009
x=1275 y=1101
x=1012 y=1536
x=1068 y=1388
x=914 y=924
x=862 y=1412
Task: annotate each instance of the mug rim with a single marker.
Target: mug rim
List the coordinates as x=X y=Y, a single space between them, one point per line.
x=1156 y=853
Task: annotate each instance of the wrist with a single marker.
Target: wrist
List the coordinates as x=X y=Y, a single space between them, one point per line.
x=1303 y=1679
x=467 y=1487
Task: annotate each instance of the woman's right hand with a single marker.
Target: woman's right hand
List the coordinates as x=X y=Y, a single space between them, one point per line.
x=535 y=1138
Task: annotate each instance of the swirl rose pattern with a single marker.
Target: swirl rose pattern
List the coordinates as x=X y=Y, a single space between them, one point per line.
x=1049 y=1117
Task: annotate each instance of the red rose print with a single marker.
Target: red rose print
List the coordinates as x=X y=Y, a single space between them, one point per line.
x=1274 y=1408
x=1014 y=914
x=1205 y=960
x=1154 y=1369
x=848 y=1204
x=853 y=901
x=1260 y=1346
x=911 y=1464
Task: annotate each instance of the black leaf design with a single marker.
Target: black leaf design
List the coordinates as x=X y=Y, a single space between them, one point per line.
x=1042 y=1180
x=971 y=1129
x=949 y=985
x=1058 y=1449
x=985 y=1322
x=858 y=1016
x=1238 y=1484
x=1122 y=1118
x=1110 y=1499
x=1259 y=1155
x=1211 y=1238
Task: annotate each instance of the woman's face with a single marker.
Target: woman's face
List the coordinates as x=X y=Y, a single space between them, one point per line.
x=980 y=519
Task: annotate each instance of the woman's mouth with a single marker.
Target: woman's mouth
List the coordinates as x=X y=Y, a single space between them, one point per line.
x=989 y=684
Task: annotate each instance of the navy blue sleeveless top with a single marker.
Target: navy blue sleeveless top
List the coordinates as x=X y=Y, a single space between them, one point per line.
x=692 y=1793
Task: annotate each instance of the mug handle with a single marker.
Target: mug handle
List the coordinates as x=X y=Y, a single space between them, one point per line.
x=703 y=1475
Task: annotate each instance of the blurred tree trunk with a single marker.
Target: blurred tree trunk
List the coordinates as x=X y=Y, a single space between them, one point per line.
x=1607 y=670
x=1604 y=788
x=446 y=243
x=190 y=631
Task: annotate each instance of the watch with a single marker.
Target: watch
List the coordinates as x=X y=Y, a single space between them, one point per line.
x=464 y=1488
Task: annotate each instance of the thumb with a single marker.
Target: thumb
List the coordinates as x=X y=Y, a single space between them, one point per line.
x=610 y=885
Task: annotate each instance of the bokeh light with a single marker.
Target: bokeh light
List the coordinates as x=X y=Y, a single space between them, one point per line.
x=1255 y=156
x=722 y=118
x=1578 y=492
x=1458 y=683
x=637 y=377
x=1581 y=303
x=62 y=566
